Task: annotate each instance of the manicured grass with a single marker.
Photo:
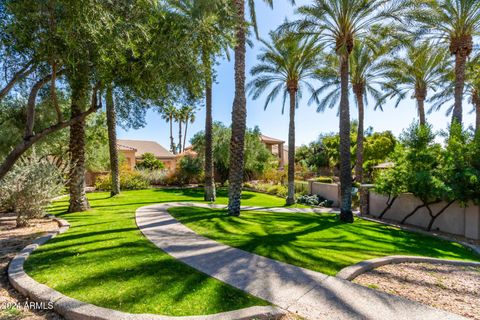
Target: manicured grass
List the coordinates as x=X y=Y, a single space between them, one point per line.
x=312 y=241
x=104 y=259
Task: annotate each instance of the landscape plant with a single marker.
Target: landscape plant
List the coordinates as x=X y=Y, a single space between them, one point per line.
x=30 y=187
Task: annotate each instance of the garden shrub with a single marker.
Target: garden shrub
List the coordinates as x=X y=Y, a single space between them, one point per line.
x=315 y=200
x=154 y=177
x=150 y=162
x=278 y=190
x=324 y=179
x=29 y=187
x=129 y=180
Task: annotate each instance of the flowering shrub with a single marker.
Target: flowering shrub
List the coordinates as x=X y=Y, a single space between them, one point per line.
x=29 y=187
x=129 y=180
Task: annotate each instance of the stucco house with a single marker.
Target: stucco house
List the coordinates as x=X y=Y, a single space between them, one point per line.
x=133 y=151
x=277 y=147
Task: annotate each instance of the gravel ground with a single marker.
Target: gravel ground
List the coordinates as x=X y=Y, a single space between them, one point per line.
x=13 y=240
x=451 y=288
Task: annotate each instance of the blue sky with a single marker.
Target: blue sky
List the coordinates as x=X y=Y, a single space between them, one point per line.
x=309 y=123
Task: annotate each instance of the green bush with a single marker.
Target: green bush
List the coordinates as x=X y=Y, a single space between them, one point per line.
x=129 y=180
x=315 y=200
x=189 y=170
x=278 y=190
x=154 y=177
x=323 y=179
x=150 y=162
x=29 y=187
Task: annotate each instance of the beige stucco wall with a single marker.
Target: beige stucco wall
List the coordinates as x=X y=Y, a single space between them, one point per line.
x=129 y=158
x=329 y=191
x=455 y=220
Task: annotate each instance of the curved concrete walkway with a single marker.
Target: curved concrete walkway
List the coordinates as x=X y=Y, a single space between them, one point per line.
x=310 y=294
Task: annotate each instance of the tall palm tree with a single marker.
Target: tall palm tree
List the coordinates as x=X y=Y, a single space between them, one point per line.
x=422 y=69
x=365 y=77
x=189 y=117
x=455 y=22
x=239 y=109
x=471 y=90
x=286 y=65
x=169 y=113
x=112 y=140
x=339 y=23
x=180 y=118
x=213 y=25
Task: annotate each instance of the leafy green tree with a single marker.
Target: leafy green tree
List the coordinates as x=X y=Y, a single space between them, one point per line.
x=257 y=157
x=339 y=23
x=455 y=23
x=287 y=65
x=421 y=70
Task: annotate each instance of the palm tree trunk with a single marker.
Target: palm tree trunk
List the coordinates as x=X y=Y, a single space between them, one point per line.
x=78 y=199
x=460 y=62
x=112 y=141
x=345 y=156
x=210 y=193
x=185 y=136
x=239 y=116
x=477 y=118
x=291 y=149
x=172 y=142
x=421 y=111
x=179 y=136
x=361 y=120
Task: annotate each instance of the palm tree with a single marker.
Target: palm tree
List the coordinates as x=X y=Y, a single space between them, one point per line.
x=189 y=117
x=180 y=117
x=422 y=69
x=112 y=140
x=454 y=22
x=169 y=113
x=287 y=64
x=239 y=109
x=471 y=90
x=339 y=23
x=365 y=76
x=213 y=25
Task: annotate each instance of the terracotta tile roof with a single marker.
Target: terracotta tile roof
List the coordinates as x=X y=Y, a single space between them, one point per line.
x=270 y=139
x=142 y=146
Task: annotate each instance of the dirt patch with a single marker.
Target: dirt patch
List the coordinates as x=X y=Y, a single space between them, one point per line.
x=451 y=288
x=12 y=240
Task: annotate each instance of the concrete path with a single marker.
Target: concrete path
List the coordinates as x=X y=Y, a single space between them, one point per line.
x=310 y=294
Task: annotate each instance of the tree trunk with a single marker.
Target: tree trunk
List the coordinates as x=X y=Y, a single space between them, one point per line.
x=239 y=116
x=421 y=111
x=291 y=149
x=185 y=136
x=172 y=142
x=345 y=157
x=477 y=117
x=361 y=119
x=460 y=62
x=112 y=141
x=78 y=199
x=179 y=136
x=210 y=192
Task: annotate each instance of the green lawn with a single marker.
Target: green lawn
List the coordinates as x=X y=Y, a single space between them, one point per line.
x=105 y=260
x=312 y=241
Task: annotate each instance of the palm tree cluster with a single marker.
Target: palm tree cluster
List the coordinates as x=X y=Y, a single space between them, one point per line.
x=383 y=49
x=183 y=116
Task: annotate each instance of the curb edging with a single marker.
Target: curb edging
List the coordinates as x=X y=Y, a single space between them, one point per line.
x=73 y=309
x=351 y=272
